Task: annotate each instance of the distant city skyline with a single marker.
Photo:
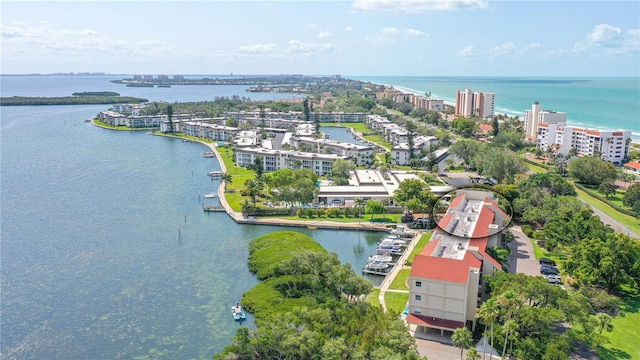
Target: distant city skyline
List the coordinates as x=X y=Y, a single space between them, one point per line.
x=361 y=37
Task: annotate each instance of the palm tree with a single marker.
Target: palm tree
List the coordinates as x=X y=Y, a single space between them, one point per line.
x=226 y=178
x=508 y=301
x=359 y=204
x=488 y=313
x=170 y=117
x=462 y=338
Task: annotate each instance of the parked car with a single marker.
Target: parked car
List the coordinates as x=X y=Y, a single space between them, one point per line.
x=544 y=260
x=554 y=279
x=546 y=270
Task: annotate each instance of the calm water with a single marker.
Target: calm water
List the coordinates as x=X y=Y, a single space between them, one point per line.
x=607 y=103
x=106 y=252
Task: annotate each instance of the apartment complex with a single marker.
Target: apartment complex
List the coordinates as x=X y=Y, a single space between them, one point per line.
x=359 y=154
x=446 y=279
x=610 y=146
x=273 y=160
x=478 y=104
x=536 y=116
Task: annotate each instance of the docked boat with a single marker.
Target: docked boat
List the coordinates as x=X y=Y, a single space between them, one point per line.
x=238 y=312
x=383 y=258
x=393 y=242
x=377 y=265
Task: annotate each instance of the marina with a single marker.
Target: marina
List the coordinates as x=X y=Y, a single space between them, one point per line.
x=388 y=253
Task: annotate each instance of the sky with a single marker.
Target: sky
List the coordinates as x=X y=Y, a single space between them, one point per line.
x=360 y=37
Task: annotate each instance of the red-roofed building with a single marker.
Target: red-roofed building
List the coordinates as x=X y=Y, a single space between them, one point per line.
x=446 y=277
x=633 y=167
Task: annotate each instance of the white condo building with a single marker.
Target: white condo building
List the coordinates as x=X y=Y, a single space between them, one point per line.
x=480 y=104
x=537 y=116
x=612 y=146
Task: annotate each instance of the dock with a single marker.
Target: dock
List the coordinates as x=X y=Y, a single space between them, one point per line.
x=211 y=208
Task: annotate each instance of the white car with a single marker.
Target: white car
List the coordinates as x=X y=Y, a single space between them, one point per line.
x=554 y=279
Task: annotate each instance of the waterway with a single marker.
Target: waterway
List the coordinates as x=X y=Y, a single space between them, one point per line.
x=106 y=252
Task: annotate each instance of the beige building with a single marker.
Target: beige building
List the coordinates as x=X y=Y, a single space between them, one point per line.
x=446 y=280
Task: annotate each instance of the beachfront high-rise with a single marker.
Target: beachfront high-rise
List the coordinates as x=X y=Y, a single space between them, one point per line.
x=470 y=104
x=537 y=116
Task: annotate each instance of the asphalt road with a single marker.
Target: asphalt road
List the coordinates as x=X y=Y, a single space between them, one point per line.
x=617 y=226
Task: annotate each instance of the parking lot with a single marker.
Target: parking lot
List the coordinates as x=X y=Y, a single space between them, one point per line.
x=522 y=258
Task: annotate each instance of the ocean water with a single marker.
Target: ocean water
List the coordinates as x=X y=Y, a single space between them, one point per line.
x=605 y=103
x=105 y=250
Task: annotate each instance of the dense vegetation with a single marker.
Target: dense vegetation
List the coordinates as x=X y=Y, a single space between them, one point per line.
x=68 y=100
x=309 y=306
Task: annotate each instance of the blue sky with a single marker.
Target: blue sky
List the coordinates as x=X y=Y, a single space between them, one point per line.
x=361 y=37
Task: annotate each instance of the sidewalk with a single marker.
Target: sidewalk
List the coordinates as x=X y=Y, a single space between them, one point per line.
x=384 y=287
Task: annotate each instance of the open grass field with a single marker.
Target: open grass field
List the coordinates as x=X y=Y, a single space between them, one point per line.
x=373 y=297
x=625 y=336
x=401 y=280
x=632 y=223
x=396 y=301
x=424 y=240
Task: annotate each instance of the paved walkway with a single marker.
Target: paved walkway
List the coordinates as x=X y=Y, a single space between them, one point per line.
x=384 y=287
x=522 y=258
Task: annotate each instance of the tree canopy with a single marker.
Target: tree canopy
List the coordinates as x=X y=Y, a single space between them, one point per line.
x=590 y=170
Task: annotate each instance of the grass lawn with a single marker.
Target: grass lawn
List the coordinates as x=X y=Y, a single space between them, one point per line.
x=396 y=301
x=373 y=297
x=388 y=218
x=400 y=281
x=424 y=240
x=358 y=127
x=632 y=223
x=536 y=169
x=625 y=336
x=378 y=140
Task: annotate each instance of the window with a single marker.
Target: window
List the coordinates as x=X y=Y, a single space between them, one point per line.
x=418 y=297
x=417 y=312
x=418 y=283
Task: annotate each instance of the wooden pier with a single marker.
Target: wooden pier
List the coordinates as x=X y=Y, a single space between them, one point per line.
x=211 y=208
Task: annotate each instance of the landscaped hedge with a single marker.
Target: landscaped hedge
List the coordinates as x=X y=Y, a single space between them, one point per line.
x=545 y=166
x=528 y=230
x=273 y=212
x=597 y=196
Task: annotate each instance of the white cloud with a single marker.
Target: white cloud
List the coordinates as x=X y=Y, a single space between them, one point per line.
x=324 y=34
x=504 y=49
x=417 y=6
x=468 y=51
x=415 y=33
x=257 y=48
x=348 y=28
x=309 y=49
x=610 y=40
x=391 y=35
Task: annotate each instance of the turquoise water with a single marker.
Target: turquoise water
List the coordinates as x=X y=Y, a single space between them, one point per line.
x=607 y=103
x=106 y=252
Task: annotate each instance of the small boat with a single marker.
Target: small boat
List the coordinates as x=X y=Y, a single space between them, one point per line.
x=238 y=312
x=376 y=265
x=209 y=196
x=311 y=227
x=383 y=258
x=209 y=154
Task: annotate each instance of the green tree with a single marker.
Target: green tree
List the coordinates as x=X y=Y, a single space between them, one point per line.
x=488 y=314
x=498 y=163
x=607 y=188
x=603 y=321
x=359 y=204
x=473 y=354
x=305 y=109
x=341 y=169
x=466 y=149
x=610 y=263
x=226 y=178
x=170 y=118
x=590 y=170
x=374 y=208
x=495 y=126
x=509 y=139
x=632 y=195
x=509 y=303
x=462 y=338
x=411 y=128
x=415 y=194
x=253 y=187
x=465 y=127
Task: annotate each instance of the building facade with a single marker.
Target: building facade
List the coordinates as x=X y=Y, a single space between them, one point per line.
x=475 y=104
x=612 y=146
x=536 y=116
x=446 y=279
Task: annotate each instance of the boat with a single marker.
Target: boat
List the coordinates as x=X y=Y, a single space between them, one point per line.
x=209 y=154
x=311 y=227
x=377 y=265
x=238 y=312
x=383 y=258
x=392 y=242
x=209 y=196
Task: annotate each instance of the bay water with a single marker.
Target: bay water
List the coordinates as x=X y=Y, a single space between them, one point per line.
x=106 y=252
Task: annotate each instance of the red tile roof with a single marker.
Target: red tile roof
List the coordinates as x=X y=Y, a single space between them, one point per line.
x=633 y=164
x=444 y=269
x=495 y=208
x=457 y=201
x=444 y=222
x=434 y=322
x=485 y=218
